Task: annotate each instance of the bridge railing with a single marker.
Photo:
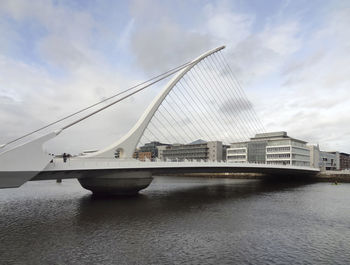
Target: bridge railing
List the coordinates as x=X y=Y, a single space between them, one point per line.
x=100 y=163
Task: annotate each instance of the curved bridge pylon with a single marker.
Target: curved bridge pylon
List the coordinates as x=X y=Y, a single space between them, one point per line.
x=126 y=146
x=215 y=105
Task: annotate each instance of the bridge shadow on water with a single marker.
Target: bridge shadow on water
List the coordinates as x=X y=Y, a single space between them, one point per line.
x=186 y=195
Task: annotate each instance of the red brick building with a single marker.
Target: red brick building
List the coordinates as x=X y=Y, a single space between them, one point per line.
x=344 y=160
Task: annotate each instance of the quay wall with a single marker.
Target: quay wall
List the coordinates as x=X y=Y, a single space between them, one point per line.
x=333 y=176
x=329 y=176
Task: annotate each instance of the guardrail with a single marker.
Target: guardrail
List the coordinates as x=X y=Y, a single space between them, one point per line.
x=100 y=163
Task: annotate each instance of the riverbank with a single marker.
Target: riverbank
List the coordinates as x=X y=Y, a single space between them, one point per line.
x=329 y=176
x=333 y=176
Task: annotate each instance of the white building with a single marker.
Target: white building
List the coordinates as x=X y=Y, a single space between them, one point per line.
x=238 y=152
x=270 y=148
x=314 y=156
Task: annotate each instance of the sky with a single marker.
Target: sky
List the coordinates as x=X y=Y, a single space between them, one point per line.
x=56 y=57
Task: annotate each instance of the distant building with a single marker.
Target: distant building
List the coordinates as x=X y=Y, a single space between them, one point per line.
x=143 y=156
x=314 y=156
x=326 y=160
x=329 y=160
x=198 y=150
x=335 y=155
x=343 y=160
x=136 y=154
x=270 y=148
x=143 y=151
x=224 y=151
x=160 y=152
x=238 y=152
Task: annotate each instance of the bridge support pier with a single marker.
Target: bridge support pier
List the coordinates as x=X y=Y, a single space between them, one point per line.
x=116 y=183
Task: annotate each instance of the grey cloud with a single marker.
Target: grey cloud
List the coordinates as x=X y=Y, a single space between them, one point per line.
x=165 y=46
x=300 y=65
x=149 y=11
x=236 y=106
x=158 y=42
x=15 y=119
x=6 y=100
x=293 y=71
x=249 y=59
x=63 y=53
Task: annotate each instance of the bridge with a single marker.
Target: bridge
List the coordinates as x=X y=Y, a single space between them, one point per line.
x=203 y=99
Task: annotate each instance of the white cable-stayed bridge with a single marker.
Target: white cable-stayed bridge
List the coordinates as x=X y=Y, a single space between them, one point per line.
x=202 y=100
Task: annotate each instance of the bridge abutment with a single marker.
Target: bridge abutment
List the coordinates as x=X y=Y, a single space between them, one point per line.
x=117 y=183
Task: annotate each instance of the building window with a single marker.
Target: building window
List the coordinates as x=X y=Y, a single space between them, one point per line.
x=277 y=149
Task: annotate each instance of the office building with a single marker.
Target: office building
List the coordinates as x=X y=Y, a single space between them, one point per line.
x=329 y=160
x=342 y=160
x=224 y=151
x=270 y=148
x=144 y=156
x=148 y=151
x=196 y=151
x=315 y=158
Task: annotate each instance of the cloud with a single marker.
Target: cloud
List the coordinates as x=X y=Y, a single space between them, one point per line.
x=162 y=43
x=296 y=74
x=66 y=75
x=318 y=86
x=281 y=39
x=158 y=41
x=63 y=53
x=240 y=105
x=225 y=25
x=166 y=45
x=264 y=53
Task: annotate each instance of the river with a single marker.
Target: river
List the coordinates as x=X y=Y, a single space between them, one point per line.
x=177 y=221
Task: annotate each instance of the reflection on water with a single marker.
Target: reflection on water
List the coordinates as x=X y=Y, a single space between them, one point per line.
x=176 y=221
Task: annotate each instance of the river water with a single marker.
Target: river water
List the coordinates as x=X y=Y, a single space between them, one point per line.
x=177 y=221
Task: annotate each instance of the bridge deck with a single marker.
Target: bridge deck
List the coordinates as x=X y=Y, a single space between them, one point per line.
x=78 y=168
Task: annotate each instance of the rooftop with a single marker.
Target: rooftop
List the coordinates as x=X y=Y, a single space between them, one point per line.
x=270 y=135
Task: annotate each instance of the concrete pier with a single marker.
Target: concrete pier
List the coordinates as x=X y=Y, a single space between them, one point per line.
x=117 y=183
